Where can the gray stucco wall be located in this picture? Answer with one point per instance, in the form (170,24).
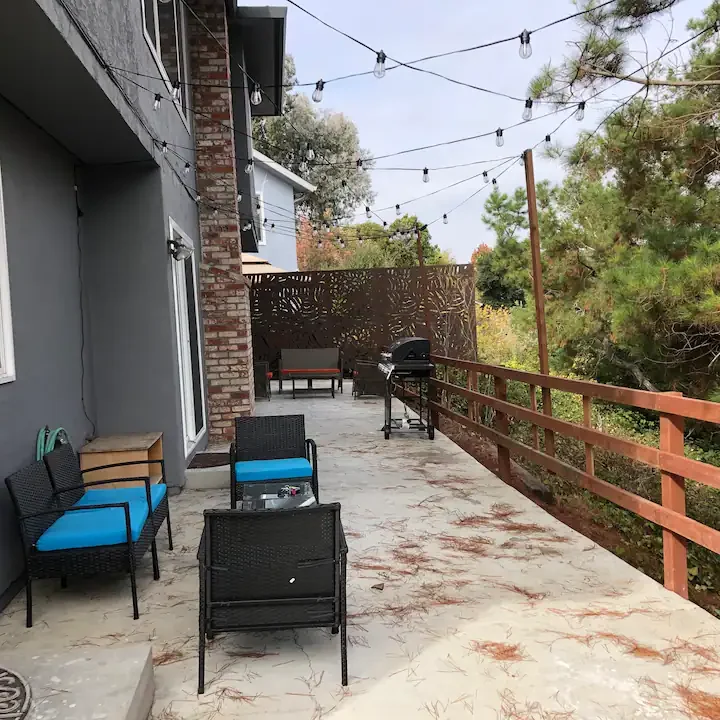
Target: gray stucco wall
(280,249)
(40,224)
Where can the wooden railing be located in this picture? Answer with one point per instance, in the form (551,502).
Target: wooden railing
(669,458)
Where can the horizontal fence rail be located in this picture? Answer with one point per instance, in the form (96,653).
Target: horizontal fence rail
(669,459)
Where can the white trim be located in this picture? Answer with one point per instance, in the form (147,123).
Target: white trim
(296,181)
(7,352)
(153,45)
(183,343)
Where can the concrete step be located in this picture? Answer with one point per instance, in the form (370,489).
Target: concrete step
(87,684)
(213,478)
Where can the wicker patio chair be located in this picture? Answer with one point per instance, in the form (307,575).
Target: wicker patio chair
(271,448)
(60,539)
(271,570)
(67,478)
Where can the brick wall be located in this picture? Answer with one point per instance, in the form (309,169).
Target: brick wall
(225,296)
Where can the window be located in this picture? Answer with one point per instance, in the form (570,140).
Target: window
(165,24)
(7,356)
(187,320)
(260,207)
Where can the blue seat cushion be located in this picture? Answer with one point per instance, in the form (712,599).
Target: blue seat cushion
(97,496)
(92,528)
(265,470)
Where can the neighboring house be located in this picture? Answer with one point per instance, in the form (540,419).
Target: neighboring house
(276,192)
(117,148)
(253,264)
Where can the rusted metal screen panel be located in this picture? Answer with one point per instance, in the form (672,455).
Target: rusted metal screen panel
(362,311)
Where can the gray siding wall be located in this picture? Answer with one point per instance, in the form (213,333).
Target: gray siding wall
(279,208)
(40,225)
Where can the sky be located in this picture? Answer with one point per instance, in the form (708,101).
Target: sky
(407,109)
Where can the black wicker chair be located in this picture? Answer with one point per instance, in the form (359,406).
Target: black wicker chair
(271,570)
(67,478)
(271,448)
(39,508)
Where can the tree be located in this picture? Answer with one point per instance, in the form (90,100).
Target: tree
(335,143)
(481,249)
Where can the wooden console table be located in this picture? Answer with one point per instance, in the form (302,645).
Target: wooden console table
(123,448)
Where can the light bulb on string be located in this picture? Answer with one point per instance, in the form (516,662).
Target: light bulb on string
(580,113)
(341,242)
(379,71)
(157,101)
(522,160)
(315,232)
(494,181)
(368,213)
(176,91)
(272,226)
(326,227)
(163,147)
(257,206)
(445,219)
(525,46)
(385,224)
(397,210)
(186,169)
(249,167)
(527,110)
(265,222)
(309,153)
(317,95)
(499,139)
(239,198)
(303,166)
(426,175)
(548,142)
(343,183)
(320,244)
(359,165)
(215,212)
(256,96)
(486,177)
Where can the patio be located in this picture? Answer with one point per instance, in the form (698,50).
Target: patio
(465,600)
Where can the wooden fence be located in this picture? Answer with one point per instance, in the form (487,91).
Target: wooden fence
(669,458)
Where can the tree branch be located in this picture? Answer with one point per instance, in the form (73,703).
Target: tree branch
(648,80)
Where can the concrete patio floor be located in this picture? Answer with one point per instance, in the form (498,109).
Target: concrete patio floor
(466,600)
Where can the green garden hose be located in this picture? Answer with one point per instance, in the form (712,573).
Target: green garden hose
(47,440)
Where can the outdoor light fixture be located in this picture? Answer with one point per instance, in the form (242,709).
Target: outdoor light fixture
(359,165)
(522,160)
(426,175)
(186,169)
(303,166)
(548,142)
(580,114)
(256,96)
(397,210)
(379,71)
(527,110)
(317,95)
(163,147)
(247,226)
(494,181)
(239,199)
(156,103)
(343,183)
(499,139)
(176,90)
(179,248)
(445,219)
(249,167)
(486,177)
(309,153)
(525,46)
(368,213)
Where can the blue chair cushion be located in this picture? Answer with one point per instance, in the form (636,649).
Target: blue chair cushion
(92,528)
(265,470)
(97,496)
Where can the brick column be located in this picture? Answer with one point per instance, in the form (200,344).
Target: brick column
(225,295)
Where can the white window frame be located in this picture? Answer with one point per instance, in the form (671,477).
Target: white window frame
(7,352)
(190,442)
(259,200)
(154,44)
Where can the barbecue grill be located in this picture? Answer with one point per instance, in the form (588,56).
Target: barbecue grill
(407,362)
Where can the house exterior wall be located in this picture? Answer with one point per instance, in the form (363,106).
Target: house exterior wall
(225,294)
(40,228)
(278,208)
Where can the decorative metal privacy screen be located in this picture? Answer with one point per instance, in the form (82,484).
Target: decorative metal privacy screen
(362,311)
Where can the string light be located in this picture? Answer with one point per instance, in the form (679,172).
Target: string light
(343,183)
(494,181)
(257,206)
(247,226)
(163,147)
(580,113)
(342,244)
(397,210)
(303,166)
(548,142)
(320,244)
(525,46)
(272,226)
(309,153)
(359,165)
(186,169)
(256,96)
(527,110)
(522,160)
(239,198)
(368,213)
(445,219)
(385,224)
(265,221)
(315,232)
(499,139)
(379,71)
(486,177)
(156,102)
(426,175)
(317,95)
(249,167)
(176,91)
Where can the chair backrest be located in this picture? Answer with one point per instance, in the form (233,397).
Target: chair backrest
(64,468)
(31,492)
(311,359)
(273,554)
(270,437)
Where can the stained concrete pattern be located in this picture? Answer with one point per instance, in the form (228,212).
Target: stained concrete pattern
(466,600)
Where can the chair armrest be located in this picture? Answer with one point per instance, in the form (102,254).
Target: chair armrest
(126,464)
(75,509)
(311,451)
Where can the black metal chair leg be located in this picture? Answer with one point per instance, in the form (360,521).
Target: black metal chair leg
(156,564)
(343,621)
(332,387)
(28,601)
(169,529)
(201,657)
(133,588)
(63,582)
(293,387)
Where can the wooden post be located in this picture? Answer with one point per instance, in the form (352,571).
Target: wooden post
(538,292)
(423,276)
(533,406)
(472,385)
(502,425)
(672,428)
(589,449)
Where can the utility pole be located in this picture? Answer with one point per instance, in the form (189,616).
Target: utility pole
(538,292)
